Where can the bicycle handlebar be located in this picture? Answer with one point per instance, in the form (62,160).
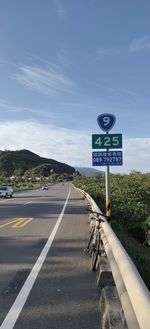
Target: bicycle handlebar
(95,212)
(98,214)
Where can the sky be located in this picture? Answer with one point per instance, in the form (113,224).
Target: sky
(63,63)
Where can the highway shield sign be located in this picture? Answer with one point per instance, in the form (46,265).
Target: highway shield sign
(106,121)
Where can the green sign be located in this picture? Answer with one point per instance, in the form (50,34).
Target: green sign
(108,141)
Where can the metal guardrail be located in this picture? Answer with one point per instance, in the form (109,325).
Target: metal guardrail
(133,293)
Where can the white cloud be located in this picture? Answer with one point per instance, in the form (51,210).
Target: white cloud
(62,144)
(140,44)
(103,51)
(13,108)
(137,154)
(46,80)
(19,109)
(136,45)
(108,52)
(69,146)
(109,87)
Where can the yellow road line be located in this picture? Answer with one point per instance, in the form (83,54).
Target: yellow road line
(22,222)
(18,222)
(27,221)
(13,221)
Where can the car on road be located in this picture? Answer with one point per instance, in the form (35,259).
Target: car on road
(45,187)
(6,191)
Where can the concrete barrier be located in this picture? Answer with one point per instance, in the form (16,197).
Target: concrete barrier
(110,309)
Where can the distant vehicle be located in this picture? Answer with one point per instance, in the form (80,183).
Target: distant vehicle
(6,191)
(45,187)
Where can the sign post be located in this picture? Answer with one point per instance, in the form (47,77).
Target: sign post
(107,158)
(107,184)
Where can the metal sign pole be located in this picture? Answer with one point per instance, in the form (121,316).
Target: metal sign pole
(107,184)
(107,180)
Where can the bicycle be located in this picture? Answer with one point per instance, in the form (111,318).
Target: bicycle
(95,244)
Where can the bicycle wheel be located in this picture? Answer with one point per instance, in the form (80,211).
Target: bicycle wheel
(95,251)
(90,239)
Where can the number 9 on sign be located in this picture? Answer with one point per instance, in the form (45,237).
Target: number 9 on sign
(106,121)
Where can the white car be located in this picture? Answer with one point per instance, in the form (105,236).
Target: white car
(6,191)
(45,187)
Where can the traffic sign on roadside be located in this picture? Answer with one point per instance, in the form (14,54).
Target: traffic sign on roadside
(107,158)
(106,121)
(108,141)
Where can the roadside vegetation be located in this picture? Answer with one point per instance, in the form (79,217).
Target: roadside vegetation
(130,209)
(23,182)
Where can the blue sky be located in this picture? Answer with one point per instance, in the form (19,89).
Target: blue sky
(64,62)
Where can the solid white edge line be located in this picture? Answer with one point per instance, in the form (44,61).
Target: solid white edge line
(19,302)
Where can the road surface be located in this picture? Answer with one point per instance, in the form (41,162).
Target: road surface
(45,276)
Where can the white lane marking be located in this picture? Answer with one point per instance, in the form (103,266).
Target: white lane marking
(18,304)
(27,203)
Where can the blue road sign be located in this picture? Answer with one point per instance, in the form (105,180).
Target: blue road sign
(107,158)
(106,121)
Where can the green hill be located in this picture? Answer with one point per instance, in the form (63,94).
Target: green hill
(21,162)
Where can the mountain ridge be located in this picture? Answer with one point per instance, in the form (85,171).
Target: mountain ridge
(87,171)
(21,162)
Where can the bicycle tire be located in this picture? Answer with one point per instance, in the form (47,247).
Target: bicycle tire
(95,252)
(90,239)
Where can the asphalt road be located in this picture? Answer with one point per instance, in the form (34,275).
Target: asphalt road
(45,276)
